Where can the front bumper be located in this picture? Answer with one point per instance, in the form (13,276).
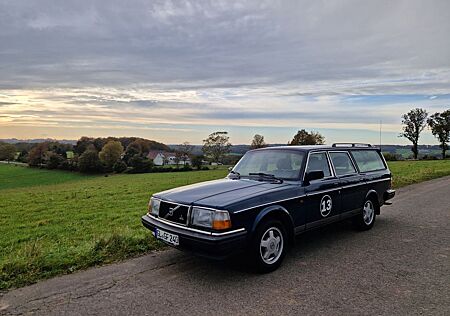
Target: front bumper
(206,244)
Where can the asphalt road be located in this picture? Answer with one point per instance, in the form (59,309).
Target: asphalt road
(400,267)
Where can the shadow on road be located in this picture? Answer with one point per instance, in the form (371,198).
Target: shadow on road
(307,245)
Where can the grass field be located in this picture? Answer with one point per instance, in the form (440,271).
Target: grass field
(12,176)
(53,222)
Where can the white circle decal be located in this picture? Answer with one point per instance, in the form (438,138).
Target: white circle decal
(326,204)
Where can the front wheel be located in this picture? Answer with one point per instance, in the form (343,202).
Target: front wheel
(366,219)
(269,246)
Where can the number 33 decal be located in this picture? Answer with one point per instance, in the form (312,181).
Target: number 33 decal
(326,204)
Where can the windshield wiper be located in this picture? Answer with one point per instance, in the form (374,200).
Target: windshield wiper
(266,176)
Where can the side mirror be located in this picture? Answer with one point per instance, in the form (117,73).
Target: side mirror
(230,168)
(313,175)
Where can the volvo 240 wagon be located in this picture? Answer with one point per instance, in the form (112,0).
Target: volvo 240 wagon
(269,197)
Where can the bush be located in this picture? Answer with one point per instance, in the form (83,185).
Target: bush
(120,167)
(89,162)
(391,157)
(429,157)
(140,164)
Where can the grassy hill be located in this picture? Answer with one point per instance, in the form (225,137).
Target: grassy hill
(53,222)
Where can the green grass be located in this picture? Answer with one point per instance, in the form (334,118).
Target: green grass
(54,222)
(18,176)
(55,229)
(410,172)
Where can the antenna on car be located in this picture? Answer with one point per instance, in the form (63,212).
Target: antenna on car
(381,122)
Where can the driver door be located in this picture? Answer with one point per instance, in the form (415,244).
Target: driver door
(323,197)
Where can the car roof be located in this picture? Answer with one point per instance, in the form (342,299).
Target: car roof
(307,148)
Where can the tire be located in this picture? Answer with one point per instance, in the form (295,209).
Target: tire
(366,219)
(268,247)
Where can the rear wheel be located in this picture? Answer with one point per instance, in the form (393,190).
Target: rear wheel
(269,246)
(366,219)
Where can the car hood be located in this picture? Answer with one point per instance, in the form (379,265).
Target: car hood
(218,193)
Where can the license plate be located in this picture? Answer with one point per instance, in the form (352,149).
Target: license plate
(167,237)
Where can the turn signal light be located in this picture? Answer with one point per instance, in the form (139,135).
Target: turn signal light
(221,224)
(221,220)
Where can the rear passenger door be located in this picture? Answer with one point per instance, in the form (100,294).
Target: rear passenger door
(351,182)
(323,201)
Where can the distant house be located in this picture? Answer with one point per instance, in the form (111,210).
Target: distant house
(157,157)
(161,158)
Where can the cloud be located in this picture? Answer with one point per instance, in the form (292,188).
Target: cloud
(201,63)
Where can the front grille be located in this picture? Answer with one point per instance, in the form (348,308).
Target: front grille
(174,212)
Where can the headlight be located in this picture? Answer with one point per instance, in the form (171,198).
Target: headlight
(210,218)
(153,206)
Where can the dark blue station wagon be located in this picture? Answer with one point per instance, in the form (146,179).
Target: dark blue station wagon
(269,197)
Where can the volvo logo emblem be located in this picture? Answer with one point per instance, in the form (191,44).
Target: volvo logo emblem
(172,210)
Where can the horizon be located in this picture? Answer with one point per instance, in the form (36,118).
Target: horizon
(153,70)
(31,140)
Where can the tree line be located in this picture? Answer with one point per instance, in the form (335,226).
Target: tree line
(129,154)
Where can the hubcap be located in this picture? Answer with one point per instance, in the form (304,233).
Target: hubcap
(271,245)
(368,212)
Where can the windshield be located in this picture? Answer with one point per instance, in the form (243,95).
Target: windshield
(282,164)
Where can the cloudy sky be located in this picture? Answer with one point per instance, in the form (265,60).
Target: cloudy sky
(176,71)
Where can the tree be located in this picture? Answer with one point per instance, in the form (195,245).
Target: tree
(82,144)
(440,128)
(7,151)
(216,146)
(304,138)
(53,160)
(111,153)
(258,142)
(414,123)
(89,161)
(197,161)
(178,158)
(186,150)
(37,154)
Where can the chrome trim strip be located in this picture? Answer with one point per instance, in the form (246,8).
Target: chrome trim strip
(323,191)
(208,208)
(171,202)
(264,204)
(379,180)
(195,230)
(158,219)
(229,232)
(352,185)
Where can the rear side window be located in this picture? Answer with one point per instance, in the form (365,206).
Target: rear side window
(368,160)
(342,163)
(319,161)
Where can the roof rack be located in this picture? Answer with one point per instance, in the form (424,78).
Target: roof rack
(351,145)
